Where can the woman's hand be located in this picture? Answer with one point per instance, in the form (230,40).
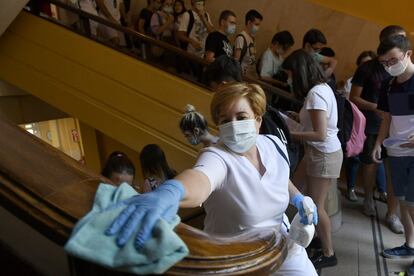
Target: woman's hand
(376,153)
(410,143)
(306,208)
(293,115)
(145,210)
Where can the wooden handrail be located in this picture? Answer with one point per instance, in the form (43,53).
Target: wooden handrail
(50,191)
(170,48)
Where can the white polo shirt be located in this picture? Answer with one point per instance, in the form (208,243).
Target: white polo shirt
(240,197)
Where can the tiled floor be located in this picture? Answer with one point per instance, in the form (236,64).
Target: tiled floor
(360,241)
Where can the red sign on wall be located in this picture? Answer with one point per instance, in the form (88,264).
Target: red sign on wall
(75,136)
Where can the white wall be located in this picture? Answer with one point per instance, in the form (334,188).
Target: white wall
(9,9)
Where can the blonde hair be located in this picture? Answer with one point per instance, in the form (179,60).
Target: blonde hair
(228,93)
(192,119)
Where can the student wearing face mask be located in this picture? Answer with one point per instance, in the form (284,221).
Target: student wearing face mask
(366,86)
(195,128)
(272,58)
(162,22)
(245,45)
(143,24)
(313,42)
(217,43)
(195,25)
(162,27)
(243,182)
(396,101)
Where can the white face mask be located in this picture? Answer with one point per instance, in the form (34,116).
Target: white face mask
(397,69)
(255,29)
(168,9)
(239,136)
(231,29)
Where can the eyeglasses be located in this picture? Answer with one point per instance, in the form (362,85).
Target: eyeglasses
(392,61)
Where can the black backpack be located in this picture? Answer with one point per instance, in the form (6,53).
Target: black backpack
(190,26)
(345,119)
(274,124)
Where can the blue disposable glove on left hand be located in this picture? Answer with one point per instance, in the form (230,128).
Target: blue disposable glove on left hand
(146,210)
(307,209)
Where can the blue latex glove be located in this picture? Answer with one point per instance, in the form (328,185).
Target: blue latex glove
(307,209)
(146,210)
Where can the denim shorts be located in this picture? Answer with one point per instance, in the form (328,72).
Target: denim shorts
(402,175)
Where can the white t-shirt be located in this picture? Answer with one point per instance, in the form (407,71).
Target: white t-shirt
(321,97)
(199,32)
(248,63)
(88,6)
(240,197)
(270,64)
(113,8)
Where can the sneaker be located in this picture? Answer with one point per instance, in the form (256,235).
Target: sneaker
(351,195)
(400,252)
(320,261)
(394,223)
(410,271)
(369,207)
(383,197)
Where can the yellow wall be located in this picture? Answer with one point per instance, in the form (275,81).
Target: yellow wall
(383,12)
(127,100)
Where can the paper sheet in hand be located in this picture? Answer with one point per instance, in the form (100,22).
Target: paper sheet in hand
(394,142)
(291,124)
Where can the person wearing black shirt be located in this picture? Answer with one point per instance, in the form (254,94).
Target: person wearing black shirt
(217,43)
(366,86)
(143,24)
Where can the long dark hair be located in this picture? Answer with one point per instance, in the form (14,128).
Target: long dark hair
(176,15)
(118,162)
(154,163)
(306,72)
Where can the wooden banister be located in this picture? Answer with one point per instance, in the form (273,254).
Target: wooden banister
(50,191)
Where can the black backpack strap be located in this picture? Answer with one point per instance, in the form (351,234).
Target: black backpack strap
(390,85)
(244,48)
(190,22)
(279,150)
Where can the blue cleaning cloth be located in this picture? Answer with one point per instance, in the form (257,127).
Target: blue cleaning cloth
(88,241)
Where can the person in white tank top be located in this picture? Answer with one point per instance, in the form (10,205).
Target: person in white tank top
(243,181)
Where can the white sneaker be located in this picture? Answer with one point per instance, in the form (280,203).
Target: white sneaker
(394,223)
(369,207)
(351,195)
(383,197)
